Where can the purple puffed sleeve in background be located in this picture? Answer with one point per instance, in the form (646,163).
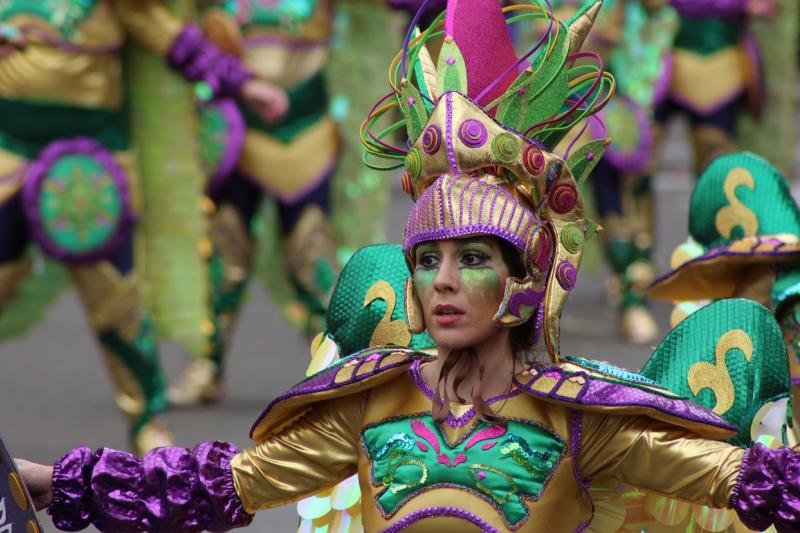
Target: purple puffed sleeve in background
(710,8)
(198,59)
(169,489)
(767,490)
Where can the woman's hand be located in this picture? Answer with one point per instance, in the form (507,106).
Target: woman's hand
(762,8)
(39,480)
(266,99)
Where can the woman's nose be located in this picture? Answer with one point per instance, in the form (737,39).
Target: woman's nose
(447,276)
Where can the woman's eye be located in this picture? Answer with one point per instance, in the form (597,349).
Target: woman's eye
(473,258)
(427,261)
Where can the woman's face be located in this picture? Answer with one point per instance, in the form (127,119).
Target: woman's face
(460,284)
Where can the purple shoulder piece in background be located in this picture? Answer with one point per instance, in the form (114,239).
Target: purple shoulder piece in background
(767,491)
(199,60)
(169,489)
(710,8)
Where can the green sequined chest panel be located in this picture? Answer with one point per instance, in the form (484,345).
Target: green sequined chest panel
(64,15)
(279,13)
(504,466)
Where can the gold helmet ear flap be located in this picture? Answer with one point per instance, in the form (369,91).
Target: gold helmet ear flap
(522,297)
(564,212)
(414,318)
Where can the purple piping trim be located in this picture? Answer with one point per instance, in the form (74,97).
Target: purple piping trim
(722,251)
(609,394)
(233,150)
(37,172)
(324,380)
(431,512)
(661,87)
(448,134)
(464,231)
(713,107)
(303,192)
(293,44)
(737,487)
(452,421)
(67,46)
(577,441)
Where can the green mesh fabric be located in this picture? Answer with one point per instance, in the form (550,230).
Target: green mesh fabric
(351,323)
(786,288)
(766,200)
(707,35)
(704,359)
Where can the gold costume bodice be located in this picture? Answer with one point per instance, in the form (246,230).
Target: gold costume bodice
(467,475)
(76,60)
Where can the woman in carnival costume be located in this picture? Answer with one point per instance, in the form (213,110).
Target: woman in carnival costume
(494,241)
(294,160)
(67,166)
(714,65)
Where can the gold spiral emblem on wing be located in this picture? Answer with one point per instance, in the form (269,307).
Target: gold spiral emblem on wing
(715,376)
(736,213)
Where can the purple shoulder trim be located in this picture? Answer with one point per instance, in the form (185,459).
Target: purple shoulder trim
(433,512)
(582,389)
(351,370)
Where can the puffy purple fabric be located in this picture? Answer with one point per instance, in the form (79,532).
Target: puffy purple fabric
(199,60)
(710,8)
(767,491)
(169,489)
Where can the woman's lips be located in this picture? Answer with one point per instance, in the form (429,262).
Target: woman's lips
(446,314)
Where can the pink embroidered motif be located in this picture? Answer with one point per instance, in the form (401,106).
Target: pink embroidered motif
(460,459)
(443,459)
(422,431)
(488,446)
(481,474)
(422,446)
(485,434)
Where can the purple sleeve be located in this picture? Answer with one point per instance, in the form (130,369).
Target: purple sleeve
(198,59)
(767,491)
(169,489)
(710,8)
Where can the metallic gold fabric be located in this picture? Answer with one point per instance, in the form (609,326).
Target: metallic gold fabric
(289,169)
(12,274)
(284,65)
(149,22)
(11,176)
(309,251)
(320,446)
(45,72)
(659,457)
(111,300)
(709,143)
(725,67)
(112,303)
(317,451)
(230,239)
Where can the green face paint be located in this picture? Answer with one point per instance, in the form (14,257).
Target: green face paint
(427,259)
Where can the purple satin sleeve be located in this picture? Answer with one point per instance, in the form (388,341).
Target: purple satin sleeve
(197,59)
(767,491)
(710,8)
(169,489)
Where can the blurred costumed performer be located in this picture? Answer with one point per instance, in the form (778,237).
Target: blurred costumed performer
(293,160)
(634,37)
(68,173)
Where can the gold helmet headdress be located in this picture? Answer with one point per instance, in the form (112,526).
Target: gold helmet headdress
(482,125)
